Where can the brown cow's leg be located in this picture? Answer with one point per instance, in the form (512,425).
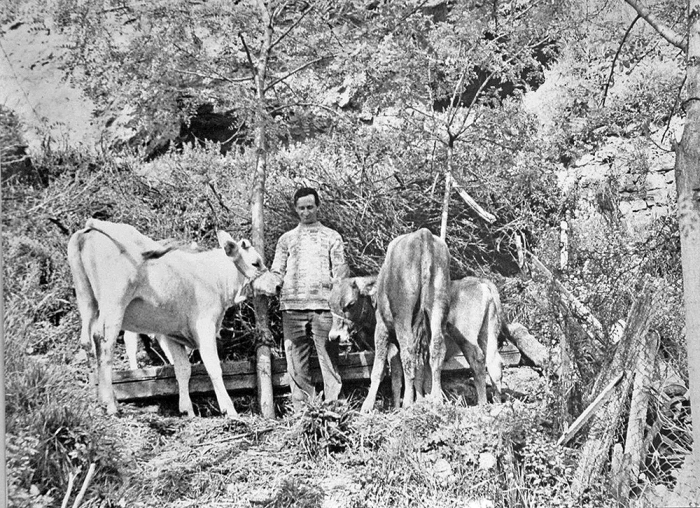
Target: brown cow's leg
(408,349)
(437,352)
(494,362)
(206,338)
(472,352)
(381,344)
(396,372)
(177,354)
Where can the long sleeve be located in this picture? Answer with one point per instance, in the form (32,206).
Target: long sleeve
(306,260)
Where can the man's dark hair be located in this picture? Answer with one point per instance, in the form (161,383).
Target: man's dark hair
(306,191)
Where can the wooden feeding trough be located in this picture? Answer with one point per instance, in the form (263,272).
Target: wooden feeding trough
(240,376)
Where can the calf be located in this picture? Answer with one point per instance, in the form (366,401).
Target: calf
(125,280)
(474,323)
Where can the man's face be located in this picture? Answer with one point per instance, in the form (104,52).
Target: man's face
(307,210)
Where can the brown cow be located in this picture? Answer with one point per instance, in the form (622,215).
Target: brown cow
(125,280)
(353,309)
(474,323)
(412,303)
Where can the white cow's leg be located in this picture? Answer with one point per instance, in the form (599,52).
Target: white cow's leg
(381,344)
(104,334)
(177,354)
(164,344)
(206,337)
(131,343)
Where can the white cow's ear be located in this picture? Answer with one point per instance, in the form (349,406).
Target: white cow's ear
(224,238)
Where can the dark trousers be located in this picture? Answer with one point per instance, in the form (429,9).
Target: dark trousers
(302,331)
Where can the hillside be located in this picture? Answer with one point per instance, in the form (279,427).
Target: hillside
(555,142)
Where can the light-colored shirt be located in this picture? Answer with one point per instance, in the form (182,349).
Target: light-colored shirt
(307,258)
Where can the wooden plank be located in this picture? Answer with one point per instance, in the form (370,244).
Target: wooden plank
(239,376)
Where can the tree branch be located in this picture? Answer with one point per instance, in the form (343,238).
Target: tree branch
(291,27)
(617,54)
(294,71)
(674,38)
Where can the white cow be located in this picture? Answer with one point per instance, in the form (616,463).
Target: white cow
(125,280)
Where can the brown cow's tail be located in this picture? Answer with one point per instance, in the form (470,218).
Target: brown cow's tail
(421,323)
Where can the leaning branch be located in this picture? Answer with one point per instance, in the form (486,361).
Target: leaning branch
(594,328)
(667,33)
(488,217)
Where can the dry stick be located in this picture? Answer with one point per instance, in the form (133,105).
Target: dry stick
(69,491)
(571,302)
(590,411)
(488,217)
(634,440)
(604,425)
(86,483)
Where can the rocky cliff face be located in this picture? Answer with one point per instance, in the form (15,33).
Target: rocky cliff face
(630,179)
(33,85)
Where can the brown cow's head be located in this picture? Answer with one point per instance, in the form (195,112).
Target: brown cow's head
(353,310)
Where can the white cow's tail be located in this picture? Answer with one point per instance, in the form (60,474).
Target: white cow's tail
(85,296)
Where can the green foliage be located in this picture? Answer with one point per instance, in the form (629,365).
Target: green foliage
(294,493)
(542,471)
(323,428)
(433,452)
(51,432)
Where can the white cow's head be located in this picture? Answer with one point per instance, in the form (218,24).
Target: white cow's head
(248,261)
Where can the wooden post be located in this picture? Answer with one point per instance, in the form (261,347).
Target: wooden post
(633,456)
(564,245)
(605,422)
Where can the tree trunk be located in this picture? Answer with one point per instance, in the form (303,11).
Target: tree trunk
(262,321)
(688,187)
(448,191)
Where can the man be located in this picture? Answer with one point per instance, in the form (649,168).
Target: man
(307,258)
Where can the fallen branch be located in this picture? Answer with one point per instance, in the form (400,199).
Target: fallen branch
(590,411)
(594,329)
(528,345)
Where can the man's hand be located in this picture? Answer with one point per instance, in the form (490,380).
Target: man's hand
(267,284)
